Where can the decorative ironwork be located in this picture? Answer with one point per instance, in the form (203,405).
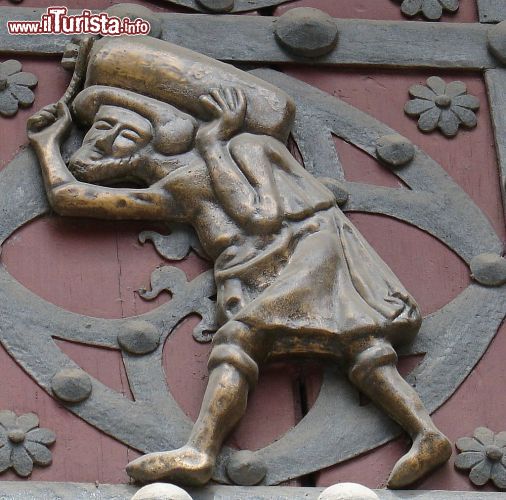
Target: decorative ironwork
(172,280)
(177,244)
(431,9)
(394,150)
(489,269)
(251,39)
(443,106)
(226,6)
(491,11)
(496,86)
(434,204)
(71,385)
(23,443)
(307,32)
(496,38)
(246,468)
(15,87)
(484,455)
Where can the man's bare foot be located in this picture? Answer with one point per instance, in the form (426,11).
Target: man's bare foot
(185,466)
(429,450)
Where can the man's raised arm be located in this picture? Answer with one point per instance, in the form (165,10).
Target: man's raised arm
(241,174)
(68,196)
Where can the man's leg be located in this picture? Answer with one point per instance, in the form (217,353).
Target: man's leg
(232,373)
(374,372)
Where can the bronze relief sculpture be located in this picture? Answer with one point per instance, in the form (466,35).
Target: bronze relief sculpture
(203,144)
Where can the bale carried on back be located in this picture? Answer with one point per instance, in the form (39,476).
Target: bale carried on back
(179,76)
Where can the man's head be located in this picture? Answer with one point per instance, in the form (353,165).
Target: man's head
(127,131)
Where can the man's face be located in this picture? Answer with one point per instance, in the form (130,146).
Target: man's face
(111,146)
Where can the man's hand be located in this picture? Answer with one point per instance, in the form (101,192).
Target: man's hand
(228,107)
(50,123)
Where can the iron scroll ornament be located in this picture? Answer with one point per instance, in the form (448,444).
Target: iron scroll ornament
(462,330)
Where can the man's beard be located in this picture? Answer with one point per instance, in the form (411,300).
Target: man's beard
(105,170)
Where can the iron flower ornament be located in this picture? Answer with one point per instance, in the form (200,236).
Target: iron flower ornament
(441,105)
(226,6)
(431,9)
(485,456)
(15,87)
(23,443)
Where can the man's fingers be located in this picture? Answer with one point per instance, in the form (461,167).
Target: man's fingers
(46,118)
(47,115)
(220,99)
(229,95)
(33,121)
(40,120)
(236,99)
(211,105)
(241,98)
(50,108)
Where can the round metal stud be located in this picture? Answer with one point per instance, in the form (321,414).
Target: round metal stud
(494,452)
(395,150)
(497,41)
(489,269)
(16,436)
(139,337)
(245,468)
(217,6)
(307,32)
(443,101)
(71,385)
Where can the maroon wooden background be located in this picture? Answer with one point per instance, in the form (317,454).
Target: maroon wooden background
(95,268)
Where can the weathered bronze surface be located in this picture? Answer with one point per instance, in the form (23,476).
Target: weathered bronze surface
(202,143)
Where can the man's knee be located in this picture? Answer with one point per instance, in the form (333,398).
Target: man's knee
(375,356)
(234,344)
